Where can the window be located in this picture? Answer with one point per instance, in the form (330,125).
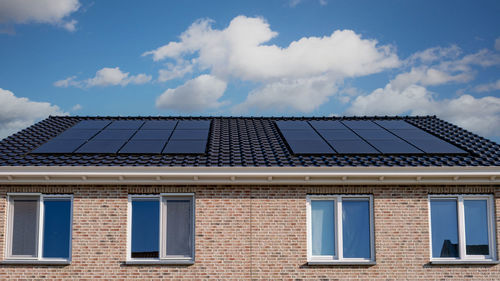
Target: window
(462,228)
(340,229)
(39,228)
(161,228)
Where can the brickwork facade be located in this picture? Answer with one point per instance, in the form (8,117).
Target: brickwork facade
(250,232)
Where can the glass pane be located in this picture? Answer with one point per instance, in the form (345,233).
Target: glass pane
(444,228)
(476,227)
(356,228)
(56,228)
(145,228)
(323,227)
(25,228)
(179,230)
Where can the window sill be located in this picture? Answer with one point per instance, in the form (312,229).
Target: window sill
(34,262)
(341,263)
(160,262)
(464,262)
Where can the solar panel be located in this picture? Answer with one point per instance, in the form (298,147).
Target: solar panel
(396,146)
(328,125)
(91,124)
(152,135)
(293,125)
(143,146)
(300,135)
(193,124)
(77,134)
(361,124)
(189,135)
(413,134)
(59,146)
(310,147)
(338,135)
(352,147)
(395,124)
(159,125)
(114,135)
(101,146)
(380,134)
(185,147)
(436,146)
(125,124)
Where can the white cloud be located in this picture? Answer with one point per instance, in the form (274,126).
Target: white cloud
(55,12)
(200,93)
(480,115)
(497,44)
(488,87)
(174,71)
(105,77)
(18,113)
(293,3)
(239,51)
(76,107)
(304,95)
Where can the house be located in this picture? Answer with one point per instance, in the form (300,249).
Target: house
(360,198)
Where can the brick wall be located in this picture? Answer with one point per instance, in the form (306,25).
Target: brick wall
(250,232)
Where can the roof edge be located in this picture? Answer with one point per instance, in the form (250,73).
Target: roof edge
(249,175)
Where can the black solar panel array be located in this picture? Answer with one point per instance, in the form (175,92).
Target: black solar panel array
(131,136)
(361,137)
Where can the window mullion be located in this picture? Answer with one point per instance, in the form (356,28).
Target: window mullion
(338,228)
(163,223)
(40,227)
(461,228)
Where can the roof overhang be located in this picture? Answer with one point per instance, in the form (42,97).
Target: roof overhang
(42,175)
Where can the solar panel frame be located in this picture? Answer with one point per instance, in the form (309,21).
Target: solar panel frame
(339,135)
(125,125)
(159,125)
(79,134)
(101,146)
(396,146)
(311,147)
(300,135)
(152,135)
(59,146)
(189,135)
(436,146)
(114,135)
(193,125)
(360,124)
(293,125)
(353,147)
(92,124)
(327,125)
(185,147)
(395,124)
(143,146)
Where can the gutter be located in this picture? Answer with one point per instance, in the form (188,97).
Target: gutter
(43,175)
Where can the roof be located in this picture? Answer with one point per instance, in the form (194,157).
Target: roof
(248,142)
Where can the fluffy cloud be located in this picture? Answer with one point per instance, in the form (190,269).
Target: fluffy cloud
(497,44)
(200,93)
(105,77)
(480,115)
(488,87)
(174,71)
(18,113)
(55,12)
(240,51)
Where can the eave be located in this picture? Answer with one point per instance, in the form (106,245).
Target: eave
(43,175)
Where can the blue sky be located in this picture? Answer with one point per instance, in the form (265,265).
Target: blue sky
(252,58)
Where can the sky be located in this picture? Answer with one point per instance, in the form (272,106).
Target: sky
(250,58)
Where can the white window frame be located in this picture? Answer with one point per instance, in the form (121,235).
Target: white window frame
(462,253)
(338,258)
(41,198)
(162,237)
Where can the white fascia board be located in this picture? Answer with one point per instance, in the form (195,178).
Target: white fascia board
(249,175)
